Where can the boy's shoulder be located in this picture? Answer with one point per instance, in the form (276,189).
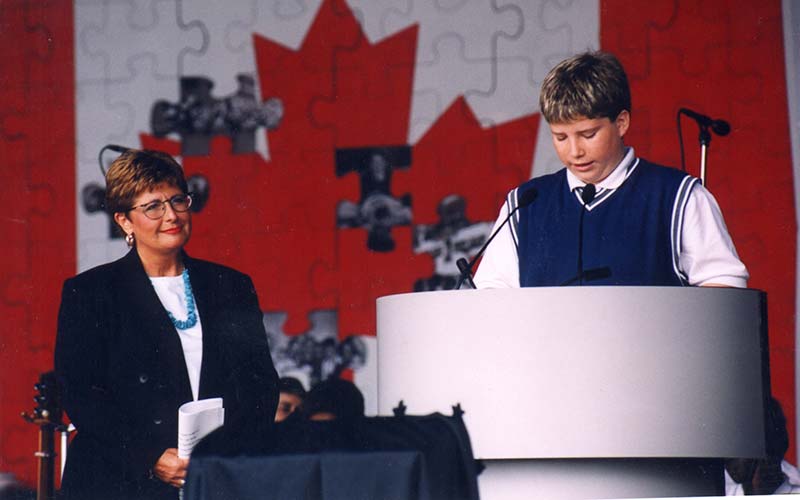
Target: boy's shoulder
(544,181)
(662,173)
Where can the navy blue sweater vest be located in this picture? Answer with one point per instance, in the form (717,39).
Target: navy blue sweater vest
(635,231)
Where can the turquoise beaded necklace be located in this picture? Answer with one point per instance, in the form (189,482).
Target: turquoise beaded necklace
(191,318)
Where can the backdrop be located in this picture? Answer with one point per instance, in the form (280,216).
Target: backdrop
(344,150)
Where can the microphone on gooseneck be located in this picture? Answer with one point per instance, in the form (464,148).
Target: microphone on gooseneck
(719,127)
(113,147)
(524,199)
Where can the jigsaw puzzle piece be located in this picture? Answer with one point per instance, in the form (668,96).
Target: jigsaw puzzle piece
(26,56)
(478,22)
(510,95)
(286,22)
(372,14)
(145,27)
(125,107)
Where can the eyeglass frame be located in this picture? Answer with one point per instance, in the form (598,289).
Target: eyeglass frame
(164,206)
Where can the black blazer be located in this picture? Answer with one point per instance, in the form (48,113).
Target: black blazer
(120,363)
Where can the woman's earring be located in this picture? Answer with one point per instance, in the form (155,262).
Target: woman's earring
(129,239)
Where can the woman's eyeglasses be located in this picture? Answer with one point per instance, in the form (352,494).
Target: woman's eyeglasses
(157,208)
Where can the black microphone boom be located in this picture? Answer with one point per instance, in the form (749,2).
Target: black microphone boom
(719,127)
(113,147)
(525,199)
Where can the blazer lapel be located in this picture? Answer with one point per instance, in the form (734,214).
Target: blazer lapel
(157,333)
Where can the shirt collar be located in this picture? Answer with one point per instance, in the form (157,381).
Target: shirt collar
(614,179)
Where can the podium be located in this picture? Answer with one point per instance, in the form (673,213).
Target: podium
(585,392)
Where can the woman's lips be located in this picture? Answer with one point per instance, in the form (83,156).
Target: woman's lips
(172,230)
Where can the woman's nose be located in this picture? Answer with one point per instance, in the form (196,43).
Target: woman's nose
(169,212)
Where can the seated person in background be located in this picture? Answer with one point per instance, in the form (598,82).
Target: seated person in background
(768,476)
(646,224)
(333,399)
(290,397)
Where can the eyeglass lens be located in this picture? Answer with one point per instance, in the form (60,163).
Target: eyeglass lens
(179,203)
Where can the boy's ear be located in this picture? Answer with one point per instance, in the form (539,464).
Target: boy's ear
(623,122)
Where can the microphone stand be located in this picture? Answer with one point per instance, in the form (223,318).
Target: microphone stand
(707,125)
(705,141)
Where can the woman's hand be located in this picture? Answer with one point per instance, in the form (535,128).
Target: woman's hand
(171,468)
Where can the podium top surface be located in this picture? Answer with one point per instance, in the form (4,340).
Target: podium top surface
(583,371)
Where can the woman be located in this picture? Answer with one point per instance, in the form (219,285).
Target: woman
(142,335)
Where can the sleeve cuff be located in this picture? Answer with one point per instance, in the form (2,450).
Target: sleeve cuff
(729,281)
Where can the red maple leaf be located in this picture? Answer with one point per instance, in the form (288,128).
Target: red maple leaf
(276,219)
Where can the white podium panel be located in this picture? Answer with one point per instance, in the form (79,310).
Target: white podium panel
(571,479)
(582,372)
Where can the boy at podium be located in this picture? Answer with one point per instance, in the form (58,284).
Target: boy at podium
(608,217)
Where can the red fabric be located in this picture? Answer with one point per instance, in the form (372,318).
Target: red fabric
(37,203)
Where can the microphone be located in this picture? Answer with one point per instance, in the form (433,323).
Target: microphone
(525,199)
(719,127)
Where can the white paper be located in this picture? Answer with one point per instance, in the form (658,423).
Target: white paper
(195,420)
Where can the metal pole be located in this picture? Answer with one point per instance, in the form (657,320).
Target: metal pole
(705,140)
(703,155)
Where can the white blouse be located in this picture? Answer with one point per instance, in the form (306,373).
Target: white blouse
(170,291)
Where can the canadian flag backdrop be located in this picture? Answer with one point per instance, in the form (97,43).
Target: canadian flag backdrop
(345,150)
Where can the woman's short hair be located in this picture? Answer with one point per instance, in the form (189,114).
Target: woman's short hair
(137,171)
(591,85)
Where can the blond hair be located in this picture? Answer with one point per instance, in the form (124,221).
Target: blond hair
(590,85)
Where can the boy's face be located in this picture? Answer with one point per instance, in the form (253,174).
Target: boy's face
(591,147)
